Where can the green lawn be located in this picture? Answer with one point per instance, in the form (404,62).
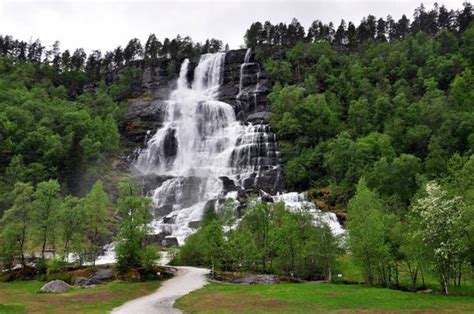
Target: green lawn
(24,297)
(317,298)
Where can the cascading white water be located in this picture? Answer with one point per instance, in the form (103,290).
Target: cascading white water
(297,201)
(200,142)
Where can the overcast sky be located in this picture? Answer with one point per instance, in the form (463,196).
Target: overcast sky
(107,24)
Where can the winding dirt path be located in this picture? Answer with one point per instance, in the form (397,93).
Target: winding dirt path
(187,279)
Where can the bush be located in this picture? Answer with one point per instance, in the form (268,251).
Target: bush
(41,266)
(149,257)
(55,265)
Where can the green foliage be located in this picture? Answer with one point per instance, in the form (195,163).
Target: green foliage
(45,213)
(45,135)
(442,228)
(394,112)
(133,226)
(95,215)
(269,238)
(72,225)
(55,265)
(150,256)
(41,221)
(368,227)
(17,222)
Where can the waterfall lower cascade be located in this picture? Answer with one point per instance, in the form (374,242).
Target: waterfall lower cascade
(201,147)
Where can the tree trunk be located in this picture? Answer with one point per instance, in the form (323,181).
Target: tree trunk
(329,273)
(414,276)
(422,278)
(459,274)
(22,244)
(445,284)
(45,238)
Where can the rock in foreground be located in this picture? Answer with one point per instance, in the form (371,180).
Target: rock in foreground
(86,282)
(55,286)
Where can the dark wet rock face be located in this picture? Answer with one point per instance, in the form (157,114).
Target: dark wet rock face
(170,144)
(141,120)
(245,88)
(249,95)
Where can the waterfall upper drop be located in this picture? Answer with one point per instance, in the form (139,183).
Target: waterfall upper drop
(202,150)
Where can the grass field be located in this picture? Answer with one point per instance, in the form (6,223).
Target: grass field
(24,297)
(317,298)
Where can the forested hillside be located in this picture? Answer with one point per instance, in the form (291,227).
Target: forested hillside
(390,101)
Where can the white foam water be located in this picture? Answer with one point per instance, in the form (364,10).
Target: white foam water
(298,201)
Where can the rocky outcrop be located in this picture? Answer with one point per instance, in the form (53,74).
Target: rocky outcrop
(83,282)
(145,114)
(141,120)
(55,286)
(249,95)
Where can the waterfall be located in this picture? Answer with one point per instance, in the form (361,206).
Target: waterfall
(202,144)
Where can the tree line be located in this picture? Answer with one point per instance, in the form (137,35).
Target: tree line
(351,36)
(44,228)
(76,70)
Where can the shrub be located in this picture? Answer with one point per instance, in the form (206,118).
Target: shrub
(55,265)
(149,257)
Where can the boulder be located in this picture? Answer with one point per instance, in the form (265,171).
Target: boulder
(55,286)
(170,242)
(156,239)
(85,282)
(103,274)
(228,185)
(169,220)
(257,279)
(194,224)
(265,197)
(259,117)
(426,291)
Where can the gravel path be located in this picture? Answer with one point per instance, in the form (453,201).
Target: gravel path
(161,301)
